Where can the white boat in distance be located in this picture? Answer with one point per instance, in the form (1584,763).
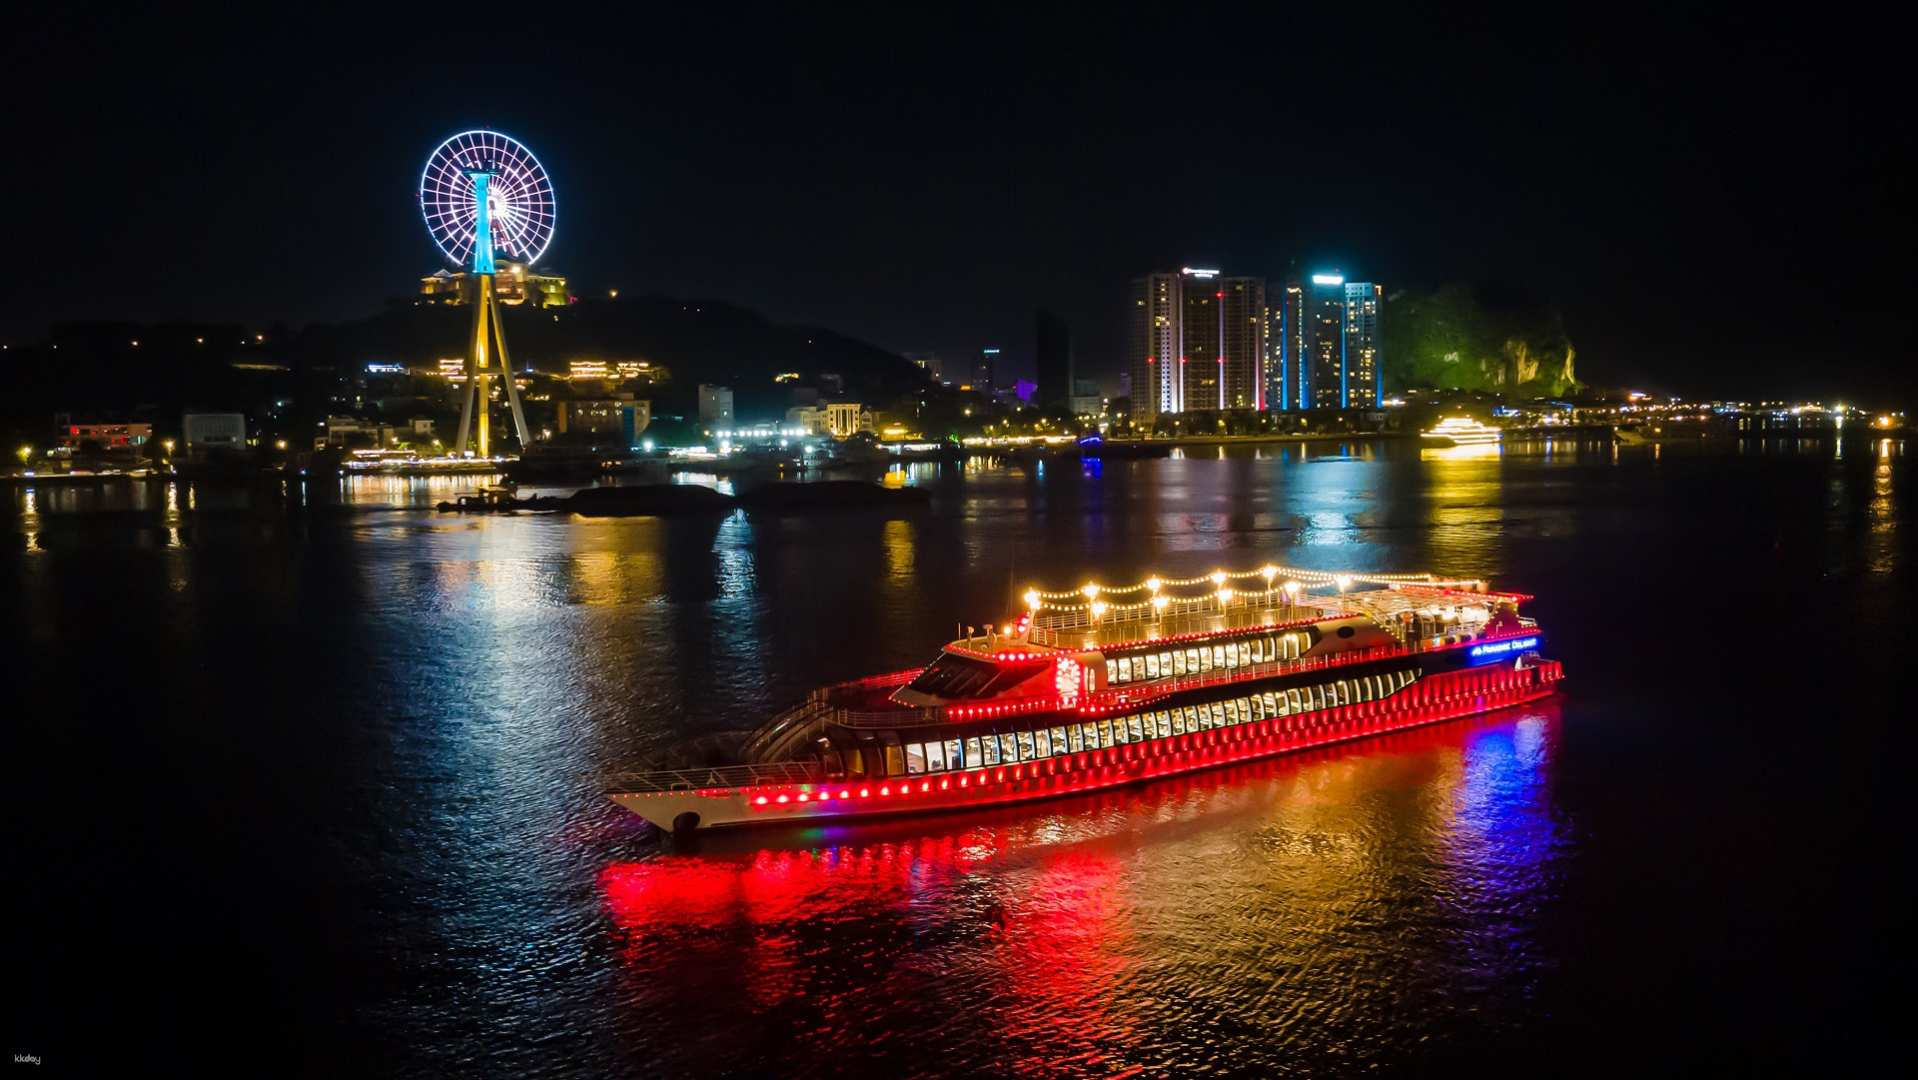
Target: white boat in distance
(1461,431)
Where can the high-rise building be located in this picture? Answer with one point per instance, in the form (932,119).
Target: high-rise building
(1285,348)
(928,362)
(1364,383)
(1053,353)
(1338,344)
(1196,341)
(715,404)
(984,370)
(1323,326)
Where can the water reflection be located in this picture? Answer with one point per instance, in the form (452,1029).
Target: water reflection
(1123,929)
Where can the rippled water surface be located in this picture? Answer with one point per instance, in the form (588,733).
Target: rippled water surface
(305,782)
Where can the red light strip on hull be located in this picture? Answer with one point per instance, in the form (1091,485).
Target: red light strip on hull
(1431,700)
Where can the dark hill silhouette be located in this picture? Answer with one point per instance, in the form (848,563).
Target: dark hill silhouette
(698,341)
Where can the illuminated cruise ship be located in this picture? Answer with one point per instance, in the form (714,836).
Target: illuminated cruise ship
(1103,686)
(1461,431)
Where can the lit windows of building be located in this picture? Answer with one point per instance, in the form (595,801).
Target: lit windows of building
(844,419)
(512,284)
(715,404)
(1364,367)
(453,368)
(1197,341)
(588,369)
(619,418)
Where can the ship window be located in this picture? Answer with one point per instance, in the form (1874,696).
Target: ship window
(1105,734)
(1058,740)
(1231,711)
(1293,704)
(1218,714)
(1259,649)
(1205,660)
(1136,726)
(935,757)
(1178,662)
(1218,656)
(1152,665)
(1191,719)
(1008,748)
(895,761)
(1112,672)
(1245,654)
(1178,721)
(1092,734)
(973,760)
(955,677)
(954,760)
(1075,738)
(989,750)
(1258,707)
(1165,725)
(915,759)
(1118,731)
(1041,743)
(1025,746)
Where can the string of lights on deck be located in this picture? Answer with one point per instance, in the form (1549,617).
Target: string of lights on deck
(1087,597)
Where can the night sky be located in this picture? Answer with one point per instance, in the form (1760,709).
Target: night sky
(1717,205)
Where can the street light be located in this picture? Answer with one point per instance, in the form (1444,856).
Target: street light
(26,454)
(168,445)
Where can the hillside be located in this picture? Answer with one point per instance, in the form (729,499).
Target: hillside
(1462,338)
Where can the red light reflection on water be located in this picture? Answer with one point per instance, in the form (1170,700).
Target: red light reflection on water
(1020,923)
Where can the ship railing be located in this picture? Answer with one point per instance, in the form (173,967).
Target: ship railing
(725,776)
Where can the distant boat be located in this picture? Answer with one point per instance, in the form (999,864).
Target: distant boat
(1461,431)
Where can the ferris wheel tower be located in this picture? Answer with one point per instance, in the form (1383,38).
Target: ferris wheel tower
(481,193)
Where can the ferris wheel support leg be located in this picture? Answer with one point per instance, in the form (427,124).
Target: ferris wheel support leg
(466,414)
(483,329)
(506,372)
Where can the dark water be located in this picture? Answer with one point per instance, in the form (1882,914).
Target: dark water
(315,790)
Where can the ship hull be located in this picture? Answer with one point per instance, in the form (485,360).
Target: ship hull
(1434,698)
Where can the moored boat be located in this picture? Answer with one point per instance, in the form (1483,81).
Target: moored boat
(1461,431)
(1104,686)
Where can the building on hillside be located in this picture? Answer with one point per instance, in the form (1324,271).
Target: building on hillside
(514,283)
(615,417)
(810,419)
(213,431)
(107,436)
(929,363)
(844,419)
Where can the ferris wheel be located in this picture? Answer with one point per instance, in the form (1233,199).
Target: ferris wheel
(518,200)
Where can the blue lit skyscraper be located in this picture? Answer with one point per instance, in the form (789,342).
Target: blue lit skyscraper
(1363,383)
(1322,376)
(1285,348)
